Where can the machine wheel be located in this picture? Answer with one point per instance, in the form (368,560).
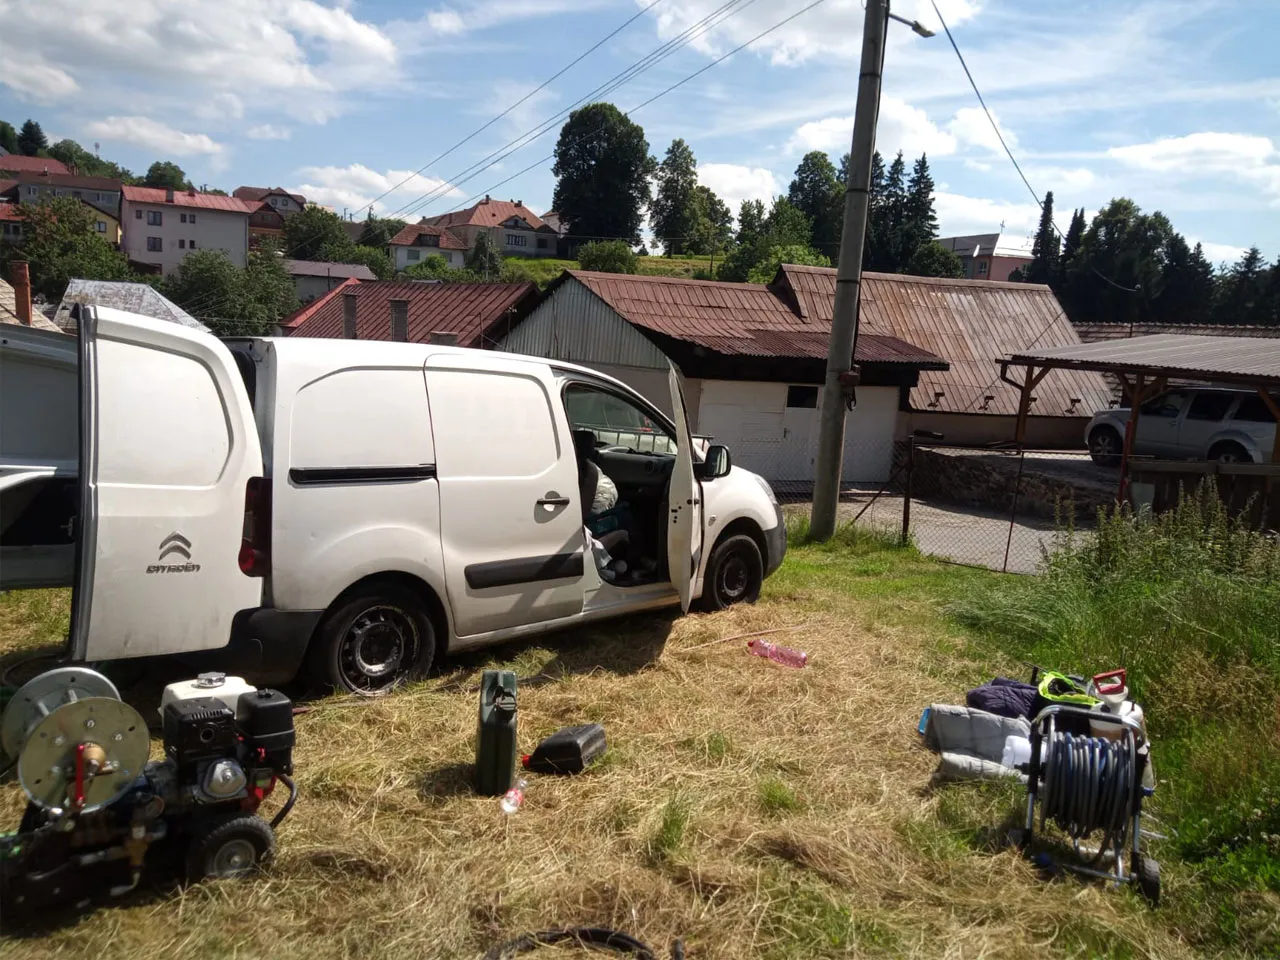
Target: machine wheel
(1230,452)
(1105,446)
(373,641)
(734,574)
(229,847)
(1147,870)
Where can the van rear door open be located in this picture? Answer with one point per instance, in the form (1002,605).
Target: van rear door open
(167,446)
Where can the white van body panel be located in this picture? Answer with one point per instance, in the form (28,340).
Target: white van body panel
(167,446)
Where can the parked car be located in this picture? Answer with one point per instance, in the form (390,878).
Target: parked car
(1189,423)
(359,506)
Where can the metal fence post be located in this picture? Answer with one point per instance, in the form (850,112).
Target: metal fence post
(1013,510)
(906,497)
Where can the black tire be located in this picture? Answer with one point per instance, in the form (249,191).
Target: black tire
(1230,452)
(734,574)
(1147,871)
(1106,446)
(373,641)
(230,846)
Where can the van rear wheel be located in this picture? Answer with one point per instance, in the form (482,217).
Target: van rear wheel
(373,641)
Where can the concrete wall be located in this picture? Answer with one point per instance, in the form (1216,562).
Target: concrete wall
(211,230)
(400,256)
(1051,433)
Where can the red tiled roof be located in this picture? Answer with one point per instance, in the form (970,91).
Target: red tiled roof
(9,211)
(188,198)
(16,163)
(972,323)
(7,185)
(66,180)
(411,236)
(260,193)
(486,213)
(744,319)
(475,312)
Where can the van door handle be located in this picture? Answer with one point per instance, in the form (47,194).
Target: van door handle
(553,500)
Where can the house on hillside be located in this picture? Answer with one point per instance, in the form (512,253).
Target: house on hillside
(753,358)
(516,230)
(161,226)
(313,278)
(12,164)
(417,241)
(984,257)
(458,314)
(10,223)
(99,194)
(277,198)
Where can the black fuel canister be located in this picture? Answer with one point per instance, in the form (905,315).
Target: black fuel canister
(567,751)
(496,733)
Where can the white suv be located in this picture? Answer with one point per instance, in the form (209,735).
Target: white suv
(1189,423)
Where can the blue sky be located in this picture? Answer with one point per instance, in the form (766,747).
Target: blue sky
(1175,104)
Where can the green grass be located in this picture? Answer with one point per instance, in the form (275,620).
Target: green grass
(777,799)
(1189,604)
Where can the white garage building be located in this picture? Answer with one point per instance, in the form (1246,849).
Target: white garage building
(752,366)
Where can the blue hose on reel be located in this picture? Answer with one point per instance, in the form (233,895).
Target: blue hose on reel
(1090,785)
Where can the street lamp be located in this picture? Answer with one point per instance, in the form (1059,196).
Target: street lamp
(915,25)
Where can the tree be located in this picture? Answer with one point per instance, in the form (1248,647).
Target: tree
(607,256)
(377,260)
(713,224)
(919,222)
(932,259)
(602,165)
(673,211)
(31,139)
(750,222)
(1070,247)
(786,225)
(167,174)
(378,231)
(817,193)
(875,251)
(436,267)
(59,242)
(1117,274)
(234,302)
(8,137)
(1187,284)
(311,231)
(766,268)
(888,211)
(1241,297)
(1045,249)
(485,260)
(87,164)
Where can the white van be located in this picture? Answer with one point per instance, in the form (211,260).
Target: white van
(357,506)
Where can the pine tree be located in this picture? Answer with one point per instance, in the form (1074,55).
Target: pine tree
(1070,245)
(1187,284)
(1268,312)
(816,192)
(919,223)
(31,139)
(750,222)
(674,211)
(8,137)
(873,253)
(1045,250)
(1241,296)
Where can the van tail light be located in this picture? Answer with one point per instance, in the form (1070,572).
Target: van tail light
(255,539)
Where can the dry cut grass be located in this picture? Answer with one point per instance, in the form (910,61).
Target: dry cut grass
(751,810)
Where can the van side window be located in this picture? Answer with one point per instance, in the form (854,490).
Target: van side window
(490,424)
(616,421)
(362,418)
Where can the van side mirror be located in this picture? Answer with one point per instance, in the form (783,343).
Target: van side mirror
(717,462)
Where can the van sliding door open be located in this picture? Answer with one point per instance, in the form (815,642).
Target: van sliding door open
(167,446)
(684,519)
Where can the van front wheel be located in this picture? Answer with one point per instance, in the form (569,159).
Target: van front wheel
(373,641)
(735,572)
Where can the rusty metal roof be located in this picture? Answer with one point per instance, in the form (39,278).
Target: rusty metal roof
(1245,360)
(188,198)
(742,319)
(413,233)
(475,312)
(1091,332)
(969,323)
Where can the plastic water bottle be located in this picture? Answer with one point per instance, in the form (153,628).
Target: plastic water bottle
(786,656)
(513,798)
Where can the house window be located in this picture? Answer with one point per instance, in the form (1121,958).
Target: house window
(982,268)
(191,218)
(802,396)
(431,240)
(101,227)
(182,217)
(154,218)
(412,254)
(182,244)
(154,245)
(137,214)
(191,244)
(77,194)
(517,240)
(542,243)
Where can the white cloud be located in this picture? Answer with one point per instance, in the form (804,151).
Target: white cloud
(153,135)
(734,183)
(355,186)
(971,127)
(221,106)
(29,75)
(451,19)
(268,131)
(900,127)
(959,214)
(1218,253)
(1252,159)
(446,21)
(505,93)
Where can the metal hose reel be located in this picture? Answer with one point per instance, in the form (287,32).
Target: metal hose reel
(76,742)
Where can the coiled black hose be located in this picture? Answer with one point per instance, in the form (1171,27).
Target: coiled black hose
(1090,784)
(288,804)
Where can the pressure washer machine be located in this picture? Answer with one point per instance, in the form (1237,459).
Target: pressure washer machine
(97,806)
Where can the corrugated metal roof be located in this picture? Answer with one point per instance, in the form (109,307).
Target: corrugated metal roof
(318,268)
(189,198)
(17,163)
(472,311)
(53,179)
(1096,332)
(1230,359)
(132,297)
(969,323)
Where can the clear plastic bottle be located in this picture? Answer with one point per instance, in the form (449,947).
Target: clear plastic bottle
(786,656)
(513,798)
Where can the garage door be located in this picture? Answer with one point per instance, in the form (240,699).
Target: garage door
(869,434)
(747,417)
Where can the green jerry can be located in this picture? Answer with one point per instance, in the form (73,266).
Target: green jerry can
(496,733)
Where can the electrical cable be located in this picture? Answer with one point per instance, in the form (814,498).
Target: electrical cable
(288,804)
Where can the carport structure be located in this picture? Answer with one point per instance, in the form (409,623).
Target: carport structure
(1145,365)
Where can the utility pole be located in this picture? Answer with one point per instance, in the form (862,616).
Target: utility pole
(844,320)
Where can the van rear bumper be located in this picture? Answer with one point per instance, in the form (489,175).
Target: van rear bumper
(267,645)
